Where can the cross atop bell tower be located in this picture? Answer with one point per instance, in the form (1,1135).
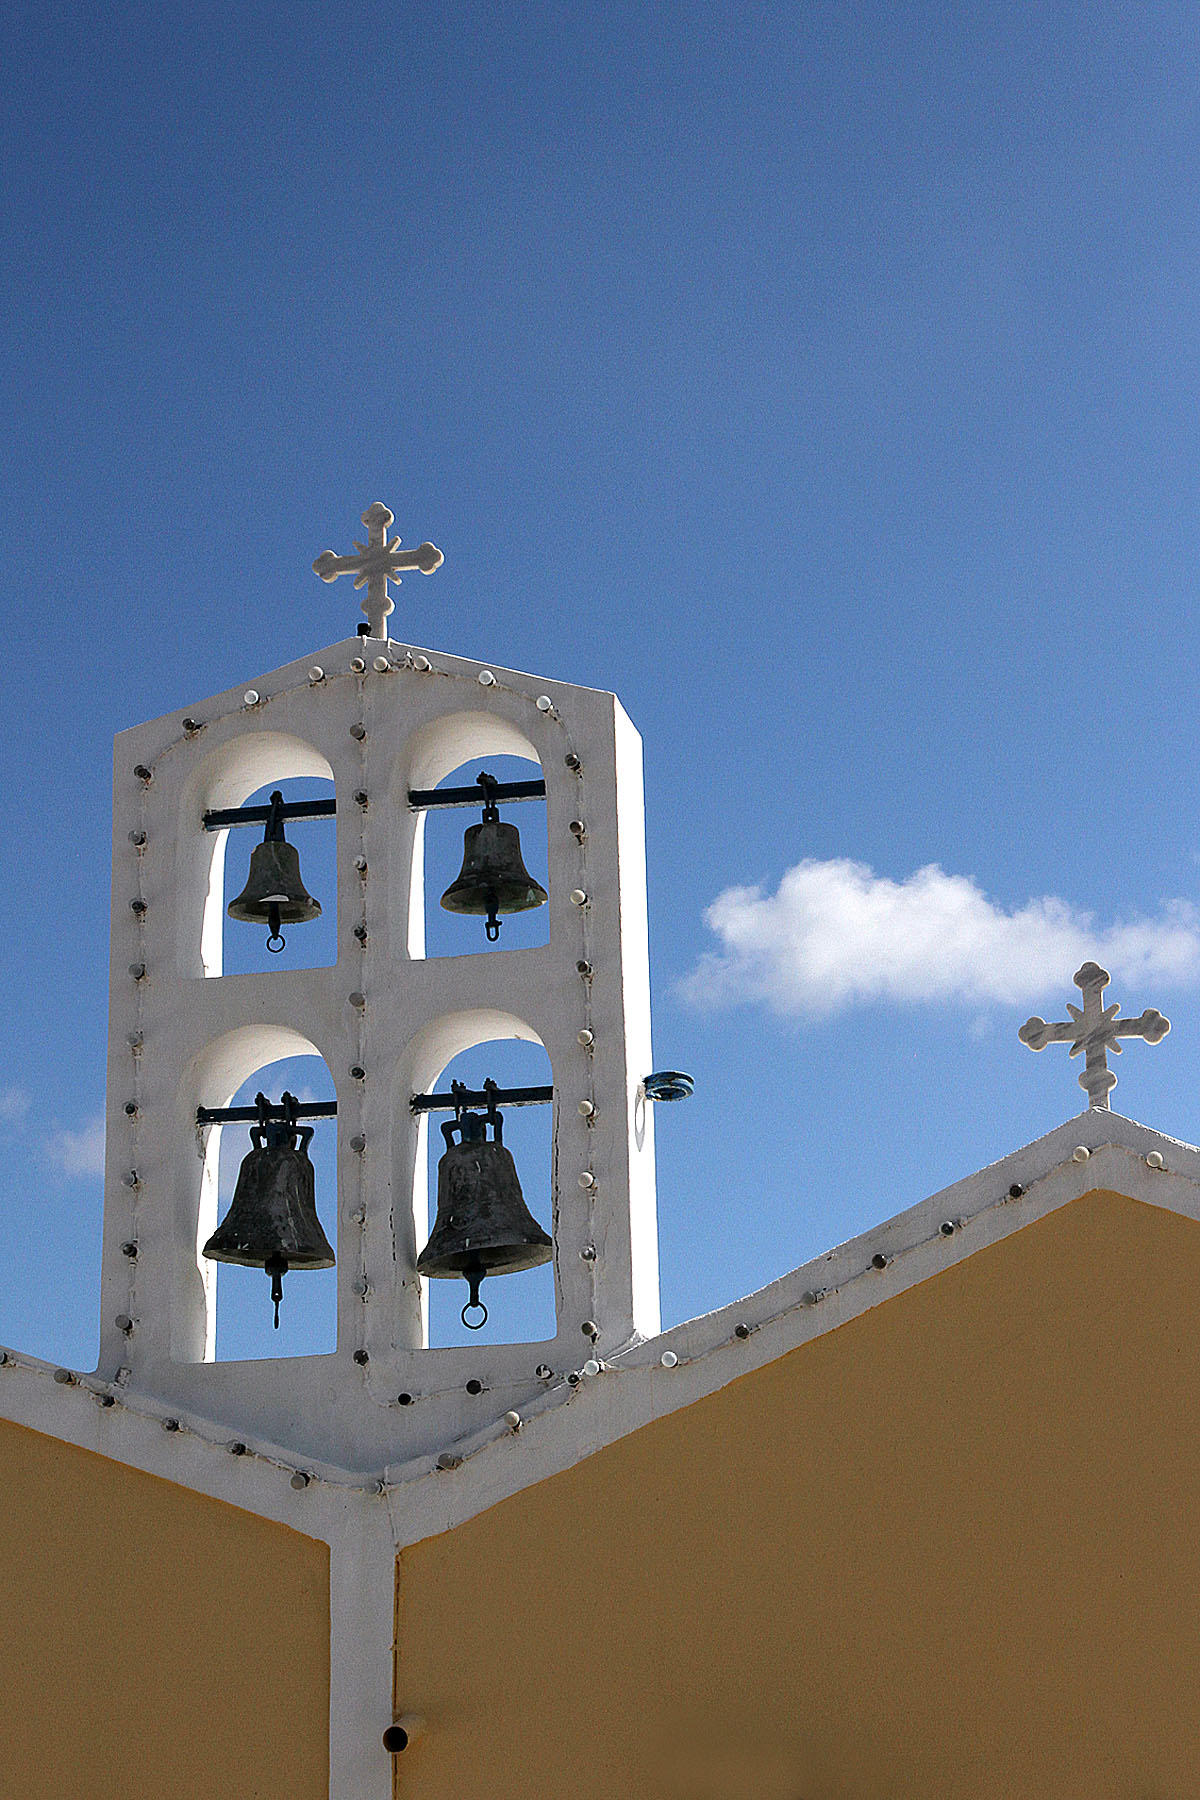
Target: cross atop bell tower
(379,561)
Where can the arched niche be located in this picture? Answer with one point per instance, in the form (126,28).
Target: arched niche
(226,777)
(455,738)
(423,1069)
(435,751)
(216,1075)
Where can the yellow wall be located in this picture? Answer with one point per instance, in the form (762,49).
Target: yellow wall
(156,1645)
(949,1551)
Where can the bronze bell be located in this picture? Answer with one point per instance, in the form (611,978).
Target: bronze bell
(272,1221)
(274,891)
(483,1226)
(493,878)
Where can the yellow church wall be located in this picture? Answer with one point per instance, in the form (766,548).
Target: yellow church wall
(947,1551)
(157,1645)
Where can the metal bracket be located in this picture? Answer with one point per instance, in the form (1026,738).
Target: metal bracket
(422,799)
(222,818)
(668,1084)
(496,1096)
(248,1115)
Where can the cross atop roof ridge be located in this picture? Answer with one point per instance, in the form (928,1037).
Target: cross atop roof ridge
(1095,1030)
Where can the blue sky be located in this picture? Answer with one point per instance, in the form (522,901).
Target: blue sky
(823,380)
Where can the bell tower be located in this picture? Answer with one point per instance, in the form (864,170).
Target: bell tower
(386,723)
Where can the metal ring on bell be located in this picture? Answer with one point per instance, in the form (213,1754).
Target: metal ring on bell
(276,940)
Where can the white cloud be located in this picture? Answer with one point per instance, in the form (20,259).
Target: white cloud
(835,935)
(14,1104)
(78,1152)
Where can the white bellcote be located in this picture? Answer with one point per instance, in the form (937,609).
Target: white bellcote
(385,723)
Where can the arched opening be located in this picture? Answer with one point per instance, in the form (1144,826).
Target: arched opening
(307,944)
(245,772)
(240,1327)
(520,1306)
(451,751)
(447,828)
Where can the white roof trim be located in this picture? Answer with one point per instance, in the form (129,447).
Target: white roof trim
(579,1414)
(365,1521)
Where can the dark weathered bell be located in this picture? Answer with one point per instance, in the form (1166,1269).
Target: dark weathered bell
(493,878)
(274,893)
(483,1226)
(272,1221)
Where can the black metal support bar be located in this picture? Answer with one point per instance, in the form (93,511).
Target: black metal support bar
(248,1115)
(522,1096)
(223,817)
(500,791)
(421,1103)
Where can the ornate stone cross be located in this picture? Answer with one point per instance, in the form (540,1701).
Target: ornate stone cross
(1095,1031)
(378,562)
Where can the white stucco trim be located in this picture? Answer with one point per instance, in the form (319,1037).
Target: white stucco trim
(576,1412)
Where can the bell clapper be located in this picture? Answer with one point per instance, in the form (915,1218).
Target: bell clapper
(276,1267)
(491,929)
